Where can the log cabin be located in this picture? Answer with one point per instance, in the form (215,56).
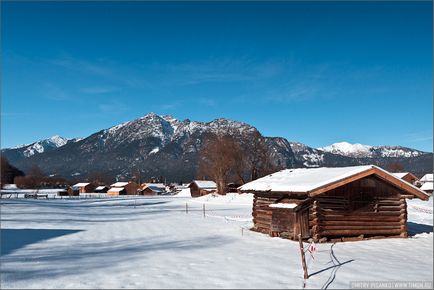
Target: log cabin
(331,204)
(202,187)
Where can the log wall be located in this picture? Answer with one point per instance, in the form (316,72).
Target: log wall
(364,208)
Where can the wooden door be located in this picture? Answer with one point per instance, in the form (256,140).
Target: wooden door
(303,223)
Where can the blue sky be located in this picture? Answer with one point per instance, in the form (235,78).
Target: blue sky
(316,73)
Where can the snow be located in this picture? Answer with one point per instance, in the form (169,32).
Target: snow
(427,186)
(308,179)
(229,198)
(302,179)
(400,175)
(366,151)
(100,187)
(41,145)
(427,178)
(205,184)
(283,205)
(185,192)
(81,184)
(151,242)
(119,184)
(348,149)
(153,151)
(116,189)
(10,186)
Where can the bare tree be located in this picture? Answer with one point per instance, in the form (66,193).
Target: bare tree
(395,167)
(218,159)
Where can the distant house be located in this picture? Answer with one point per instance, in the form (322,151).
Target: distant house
(82,187)
(427,187)
(121,188)
(407,176)
(117,191)
(152,189)
(427,178)
(102,189)
(427,183)
(202,187)
(335,204)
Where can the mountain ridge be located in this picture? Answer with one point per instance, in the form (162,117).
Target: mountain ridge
(163,145)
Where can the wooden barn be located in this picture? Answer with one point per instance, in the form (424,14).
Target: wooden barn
(331,204)
(202,187)
(82,187)
(152,189)
(121,188)
(407,176)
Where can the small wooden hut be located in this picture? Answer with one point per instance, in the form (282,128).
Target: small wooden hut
(336,204)
(202,187)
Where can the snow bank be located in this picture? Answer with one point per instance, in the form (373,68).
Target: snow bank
(229,198)
(185,192)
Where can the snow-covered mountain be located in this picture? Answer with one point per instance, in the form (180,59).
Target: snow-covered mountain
(365,151)
(41,146)
(165,146)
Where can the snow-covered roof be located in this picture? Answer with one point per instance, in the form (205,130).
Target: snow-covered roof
(313,180)
(427,186)
(116,189)
(283,205)
(101,187)
(155,188)
(10,186)
(81,184)
(119,184)
(400,174)
(159,185)
(427,178)
(206,184)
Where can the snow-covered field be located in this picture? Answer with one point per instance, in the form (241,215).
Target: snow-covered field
(152,242)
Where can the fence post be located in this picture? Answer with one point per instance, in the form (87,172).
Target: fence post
(303,259)
(204,210)
(186,208)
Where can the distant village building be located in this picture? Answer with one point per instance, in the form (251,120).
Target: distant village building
(82,187)
(123,188)
(334,204)
(407,176)
(102,189)
(202,187)
(117,191)
(427,183)
(152,189)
